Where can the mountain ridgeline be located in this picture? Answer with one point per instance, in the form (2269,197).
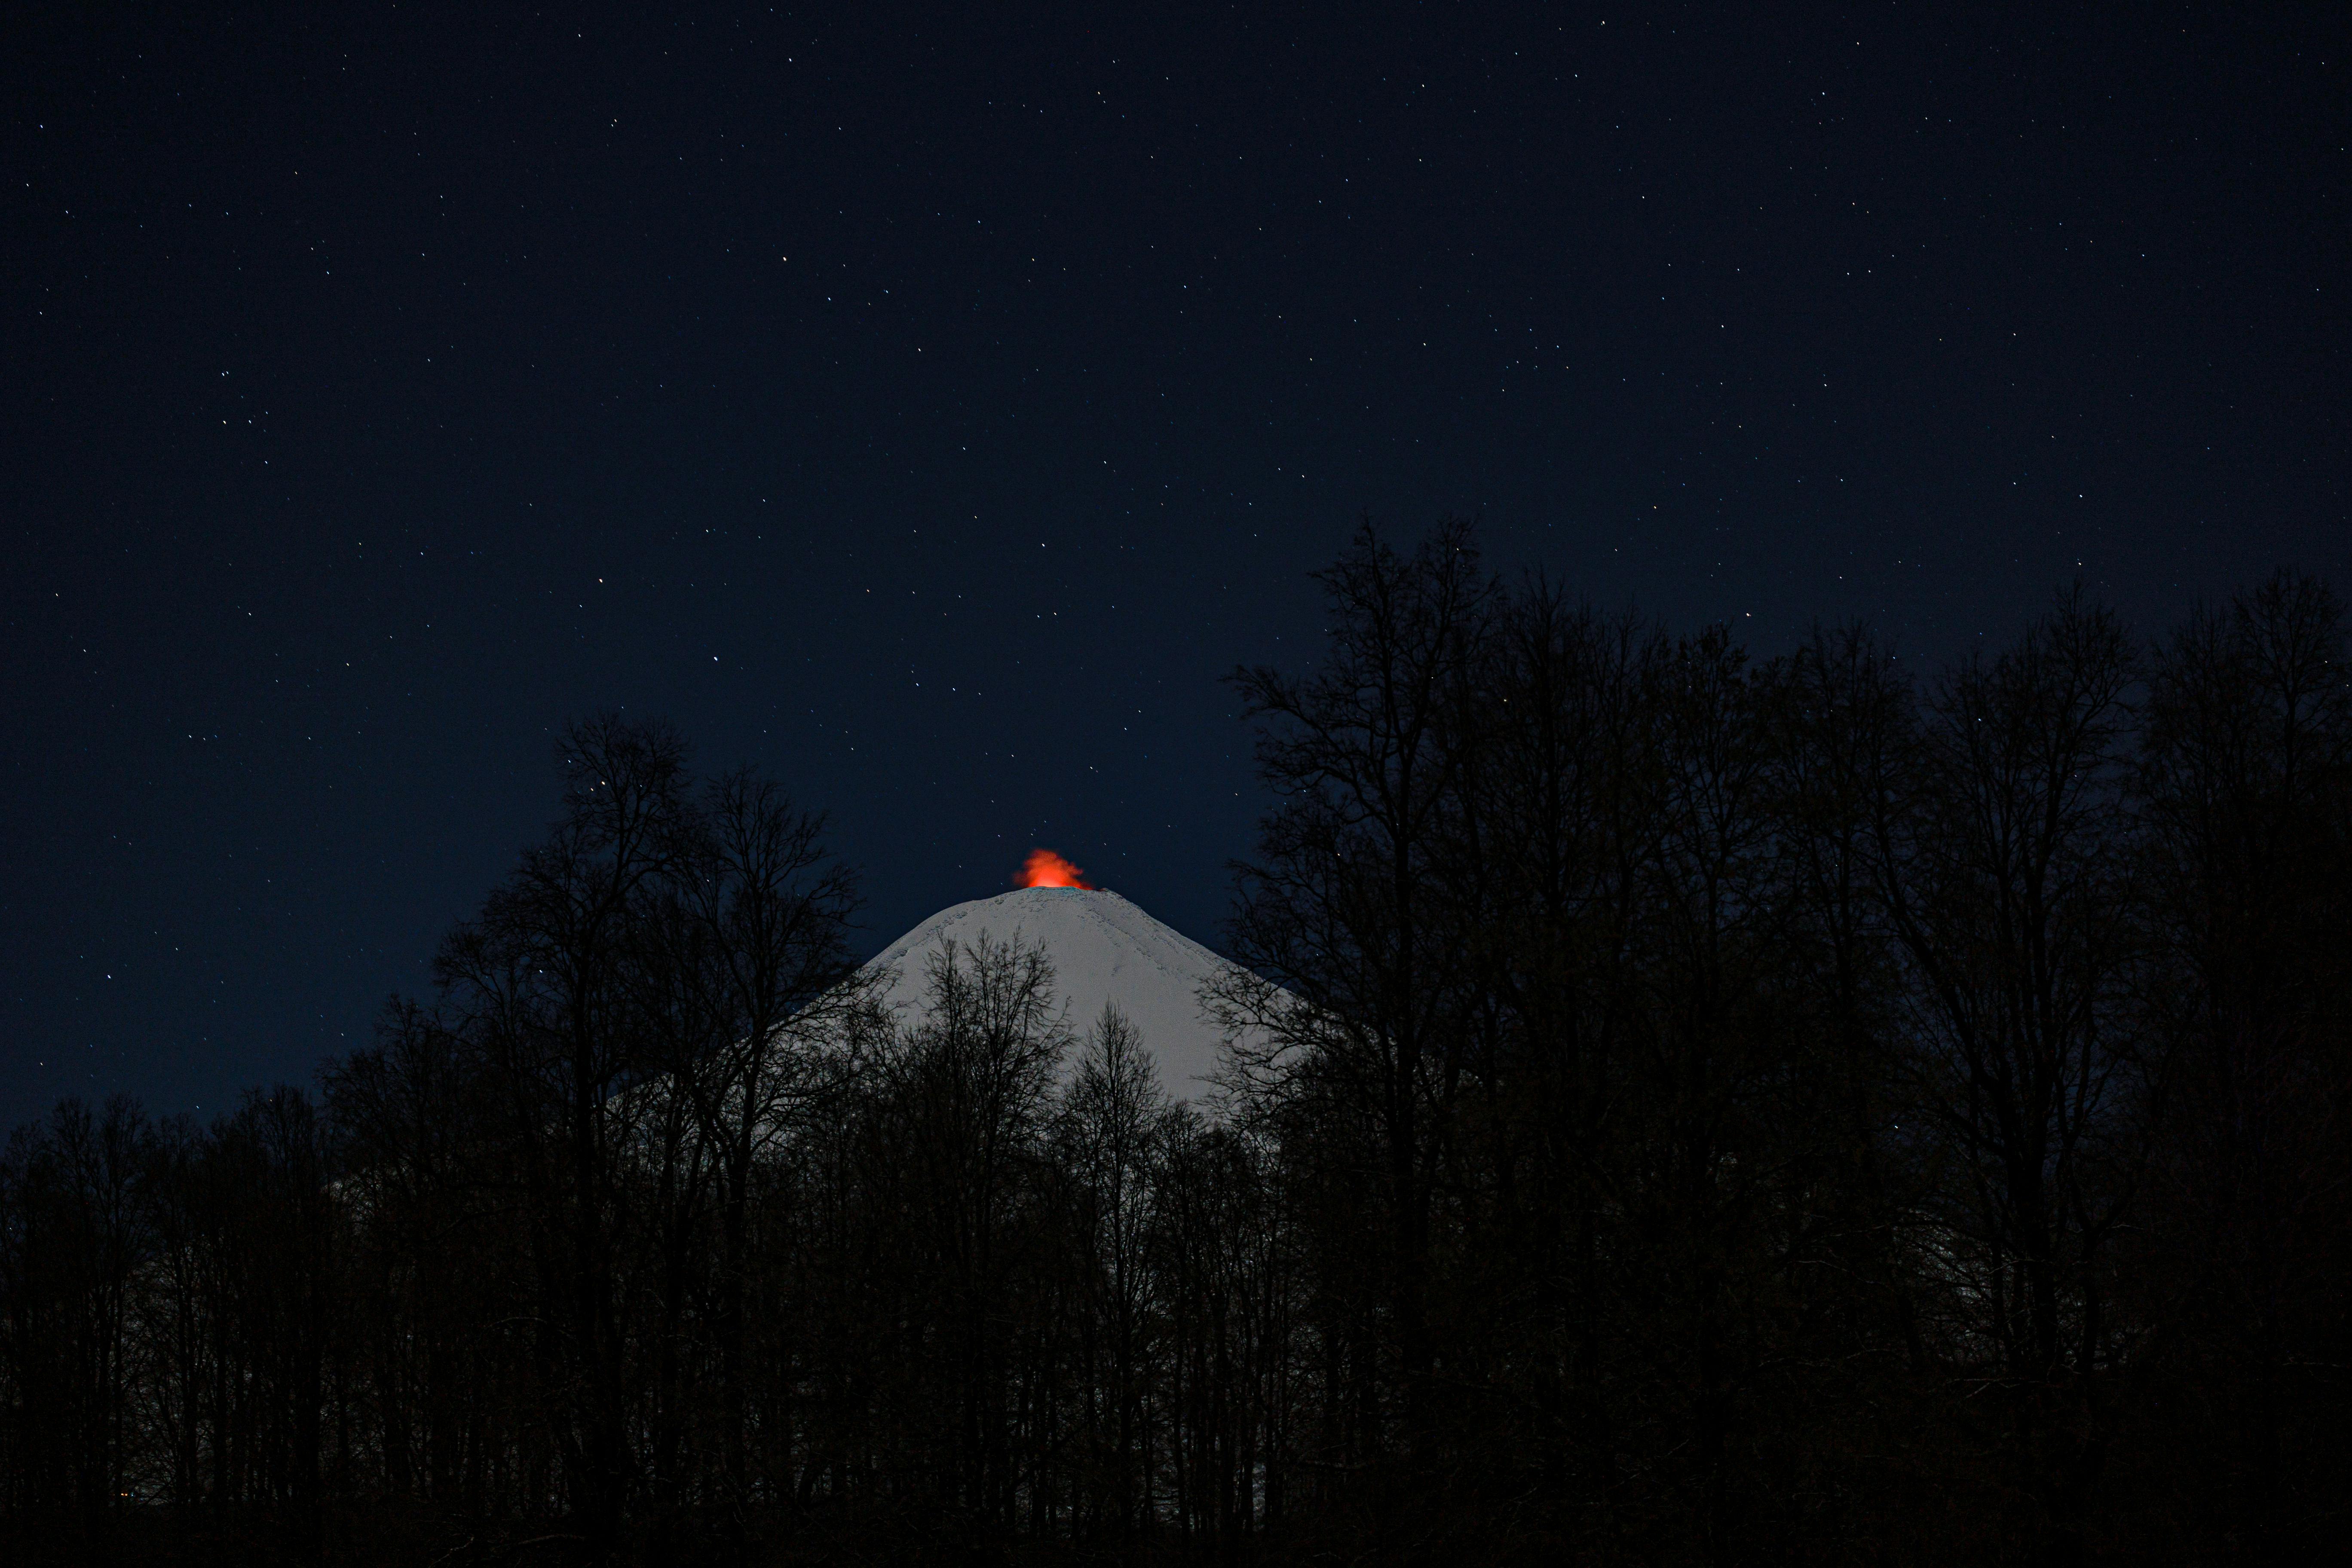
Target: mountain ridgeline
(1655,1105)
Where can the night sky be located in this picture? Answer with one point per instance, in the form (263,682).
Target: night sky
(929,411)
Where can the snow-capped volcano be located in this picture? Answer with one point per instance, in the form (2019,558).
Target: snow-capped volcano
(1103,949)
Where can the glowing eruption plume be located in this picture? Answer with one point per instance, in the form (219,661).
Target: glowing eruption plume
(1043,869)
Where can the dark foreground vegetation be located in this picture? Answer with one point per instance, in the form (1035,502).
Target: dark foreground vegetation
(1711,1112)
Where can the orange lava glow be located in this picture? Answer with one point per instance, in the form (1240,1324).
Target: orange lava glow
(1043,869)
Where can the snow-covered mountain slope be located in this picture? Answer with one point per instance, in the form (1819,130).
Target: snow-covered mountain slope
(1104,949)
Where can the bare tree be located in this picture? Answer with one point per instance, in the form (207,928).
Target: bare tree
(1341,914)
(2007,872)
(542,981)
(969,1096)
(1112,1124)
(2246,777)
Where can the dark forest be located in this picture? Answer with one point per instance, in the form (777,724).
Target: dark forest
(1704,1109)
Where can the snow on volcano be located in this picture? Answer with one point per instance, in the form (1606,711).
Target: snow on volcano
(1103,949)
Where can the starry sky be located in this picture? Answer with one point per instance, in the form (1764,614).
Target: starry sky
(929,407)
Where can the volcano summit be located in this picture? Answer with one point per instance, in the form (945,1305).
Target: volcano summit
(1103,949)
